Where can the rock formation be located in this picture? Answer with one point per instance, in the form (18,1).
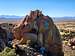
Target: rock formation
(3,39)
(41,29)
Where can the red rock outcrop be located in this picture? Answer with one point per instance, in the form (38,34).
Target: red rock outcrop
(39,28)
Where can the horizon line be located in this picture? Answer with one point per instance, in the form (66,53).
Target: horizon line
(25,15)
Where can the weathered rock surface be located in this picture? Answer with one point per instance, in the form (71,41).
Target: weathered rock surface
(3,39)
(41,29)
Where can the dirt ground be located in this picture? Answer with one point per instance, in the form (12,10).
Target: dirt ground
(68,51)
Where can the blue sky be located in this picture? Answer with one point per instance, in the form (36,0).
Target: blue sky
(53,8)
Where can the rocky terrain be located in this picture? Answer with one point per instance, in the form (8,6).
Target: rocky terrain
(33,32)
(38,32)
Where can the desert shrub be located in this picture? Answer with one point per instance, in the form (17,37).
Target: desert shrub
(8,52)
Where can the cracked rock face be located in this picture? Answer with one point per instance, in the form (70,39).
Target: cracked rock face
(3,39)
(39,28)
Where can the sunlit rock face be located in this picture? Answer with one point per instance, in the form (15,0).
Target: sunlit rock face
(41,29)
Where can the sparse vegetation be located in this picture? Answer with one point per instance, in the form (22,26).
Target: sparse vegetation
(66,36)
(8,52)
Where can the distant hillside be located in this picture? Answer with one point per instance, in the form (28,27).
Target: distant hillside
(9,18)
(13,18)
(61,19)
